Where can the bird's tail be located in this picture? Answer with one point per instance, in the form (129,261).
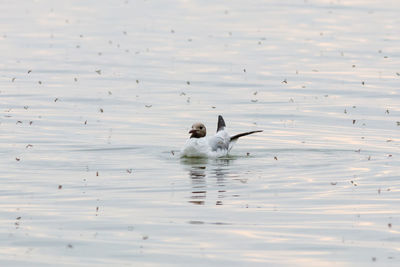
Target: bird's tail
(235,137)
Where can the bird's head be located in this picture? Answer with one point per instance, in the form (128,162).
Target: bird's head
(198,130)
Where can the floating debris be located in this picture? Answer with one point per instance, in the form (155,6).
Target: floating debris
(17,159)
(254,100)
(173,153)
(26,107)
(30,123)
(18,122)
(97,173)
(275,158)
(387,111)
(29,71)
(28,146)
(75,79)
(60,187)
(284,81)
(98,72)
(333,183)
(389,225)
(101,110)
(85,122)
(13,79)
(145,237)
(129,171)
(363,83)
(188,83)
(354,121)
(70,246)
(56,99)
(137,81)
(39,82)
(148,106)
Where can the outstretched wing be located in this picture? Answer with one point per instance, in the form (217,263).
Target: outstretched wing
(221,124)
(235,137)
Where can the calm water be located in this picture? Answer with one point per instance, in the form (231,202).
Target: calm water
(96,100)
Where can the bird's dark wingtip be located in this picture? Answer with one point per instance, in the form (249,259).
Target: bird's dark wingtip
(221,123)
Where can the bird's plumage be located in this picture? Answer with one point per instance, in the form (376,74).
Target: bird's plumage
(218,145)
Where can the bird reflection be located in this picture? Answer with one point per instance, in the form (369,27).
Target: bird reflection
(201,168)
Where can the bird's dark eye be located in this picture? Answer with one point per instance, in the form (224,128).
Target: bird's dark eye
(201,127)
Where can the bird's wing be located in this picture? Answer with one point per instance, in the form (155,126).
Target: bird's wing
(221,124)
(220,141)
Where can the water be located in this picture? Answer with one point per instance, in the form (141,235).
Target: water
(96,100)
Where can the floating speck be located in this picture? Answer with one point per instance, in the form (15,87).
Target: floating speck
(188,83)
(172,152)
(389,225)
(17,159)
(39,82)
(148,106)
(333,183)
(55,99)
(28,146)
(387,111)
(129,171)
(363,83)
(98,72)
(29,71)
(101,110)
(30,123)
(124,32)
(26,107)
(109,93)
(354,121)
(18,218)
(13,79)
(60,187)
(172,31)
(254,100)
(85,122)
(275,158)
(137,81)
(97,173)
(70,246)
(18,122)
(284,81)
(145,237)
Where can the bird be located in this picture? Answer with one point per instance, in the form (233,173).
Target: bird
(200,145)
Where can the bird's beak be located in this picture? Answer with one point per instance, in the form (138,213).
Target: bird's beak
(192,131)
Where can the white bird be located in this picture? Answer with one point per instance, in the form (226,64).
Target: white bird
(218,145)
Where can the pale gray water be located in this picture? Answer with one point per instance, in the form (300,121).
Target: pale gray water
(319,187)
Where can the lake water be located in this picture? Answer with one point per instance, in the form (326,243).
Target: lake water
(96,100)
